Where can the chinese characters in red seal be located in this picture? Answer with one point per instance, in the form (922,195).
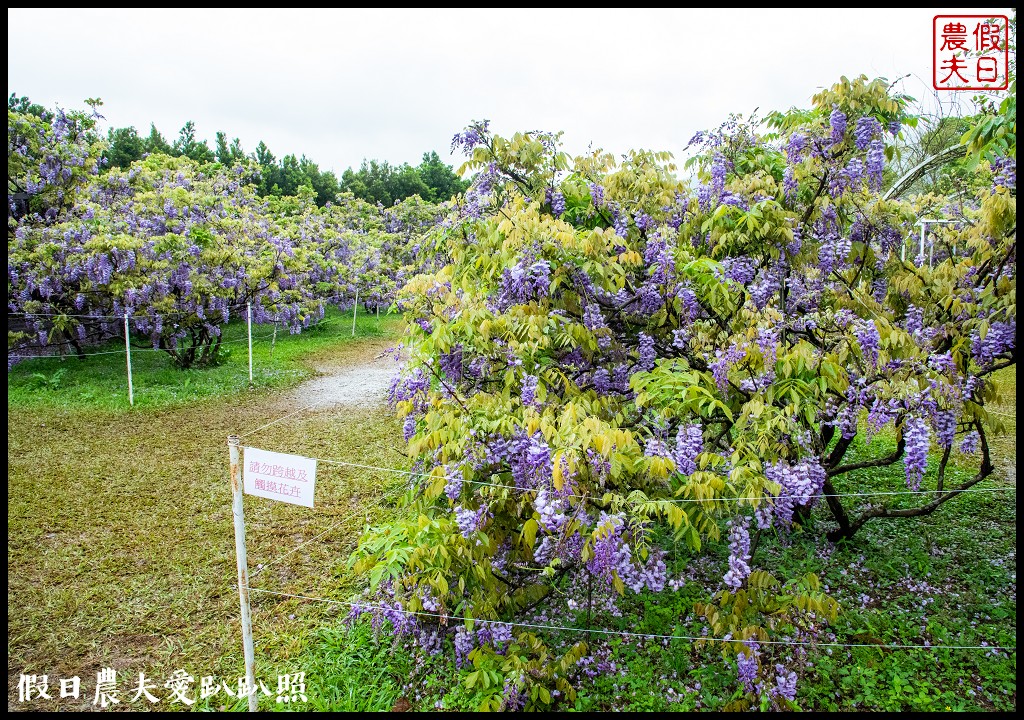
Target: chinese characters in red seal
(970,52)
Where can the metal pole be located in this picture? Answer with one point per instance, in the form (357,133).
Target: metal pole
(128,355)
(924,225)
(354,307)
(931,250)
(273,340)
(243,568)
(248,323)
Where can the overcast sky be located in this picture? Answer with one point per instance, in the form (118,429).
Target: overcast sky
(343,85)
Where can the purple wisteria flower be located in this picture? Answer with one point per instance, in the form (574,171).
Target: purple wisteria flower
(969,445)
(656,447)
(867,336)
(789,184)
(1004,173)
(1001,338)
(592,318)
(552,510)
(719,169)
(472,136)
(523,282)
(529,392)
(740,269)
(704,196)
(621,222)
(724,360)
(915,455)
(556,200)
(880,414)
(613,558)
(800,485)
(409,427)
(746,667)
(451,364)
(463,645)
(739,553)
(944,422)
(643,221)
(658,258)
(647,352)
(785,683)
(513,695)
(689,444)
(796,147)
(914,322)
(764,288)
(453,484)
(837,120)
(876,164)
(530,458)
(865,131)
(413,388)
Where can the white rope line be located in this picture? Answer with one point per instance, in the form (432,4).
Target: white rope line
(74,355)
(996,412)
(373,467)
(774,497)
(133,316)
(327,300)
(674,500)
(627,633)
(89,317)
(377,501)
(67,355)
(284,417)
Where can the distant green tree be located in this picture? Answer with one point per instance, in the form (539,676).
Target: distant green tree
(354,182)
(270,173)
(440,179)
(406,181)
(263,156)
(291,175)
(228,154)
(156,143)
(382,183)
(387,184)
(24,106)
(190,147)
(363,183)
(324,184)
(125,146)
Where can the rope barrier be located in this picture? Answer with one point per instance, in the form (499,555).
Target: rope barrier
(628,633)
(673,500)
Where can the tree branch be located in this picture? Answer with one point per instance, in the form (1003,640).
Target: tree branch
(877,462)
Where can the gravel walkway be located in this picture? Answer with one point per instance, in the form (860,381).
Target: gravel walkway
(364,384)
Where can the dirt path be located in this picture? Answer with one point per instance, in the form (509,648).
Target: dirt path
(360,378)
(362,385)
